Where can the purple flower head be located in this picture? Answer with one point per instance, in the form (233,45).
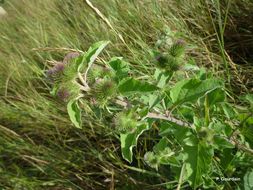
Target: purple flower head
(50,73)
(161,60)
(180,42)
(59,67)
(63,94)
(158,57)
(70,56)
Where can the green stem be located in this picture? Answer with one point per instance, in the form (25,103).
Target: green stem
(181,177)
(207,114)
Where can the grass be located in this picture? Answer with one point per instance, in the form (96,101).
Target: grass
(39,147)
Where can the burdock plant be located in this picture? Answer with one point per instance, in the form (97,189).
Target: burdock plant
(104,90)
(188,114)
(172,59)
(126,121)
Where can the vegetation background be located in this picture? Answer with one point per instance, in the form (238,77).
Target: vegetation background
(39,148)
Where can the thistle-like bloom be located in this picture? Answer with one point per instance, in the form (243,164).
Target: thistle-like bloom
(178,48)
(59,67)
(70,56)
(55,71)
(161,60)
(180,42)
(63,94)
(103,90)
(125,121)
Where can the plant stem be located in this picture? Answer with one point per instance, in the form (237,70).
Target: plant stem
(181,177)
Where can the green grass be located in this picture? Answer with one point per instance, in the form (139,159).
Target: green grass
(40,149)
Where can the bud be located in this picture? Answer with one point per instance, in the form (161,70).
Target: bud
(177,49)
(125,121)
(59,67)
(54,73)
(103,90)
(68,91)
(63,94)
(152,160)
(173,63)
(161,60)
(206,134)
(70,56)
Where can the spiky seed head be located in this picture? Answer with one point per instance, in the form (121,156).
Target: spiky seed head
(59,67)
(68,91)
(55,72)
(205,134)
(161,60)
(69,73)
(173,63)
(152,160)
(125,121)
(70,56)
(103,90)
(63,94)
(97,72)
(177,49)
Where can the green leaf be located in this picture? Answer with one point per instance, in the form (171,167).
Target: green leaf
(226,159)
(248,180)
(190,140)
(167,157)
(221,128)
(164,154)
(216,96)
(151,159)
(221,143)
(161,145)
(90,56)
(154,100)
(228,110)
(162,77)
(120,67)
(74,112)
(249,98)
(192,89)
(117,64)
(129,140)
(179,132)
(161,154)
(131,85)
(198,163)
(191,67)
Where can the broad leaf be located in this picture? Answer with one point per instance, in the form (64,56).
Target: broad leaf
(74,112)
(216,96)
(162,77)
(192,89)
(249,98)
(228,110)
(198,163)
(131,85)
(179,132)
(90,56)
(161,145)
(221,143)
(154,99)
(248,180)
(119,66)
(161,155)
(129,140)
